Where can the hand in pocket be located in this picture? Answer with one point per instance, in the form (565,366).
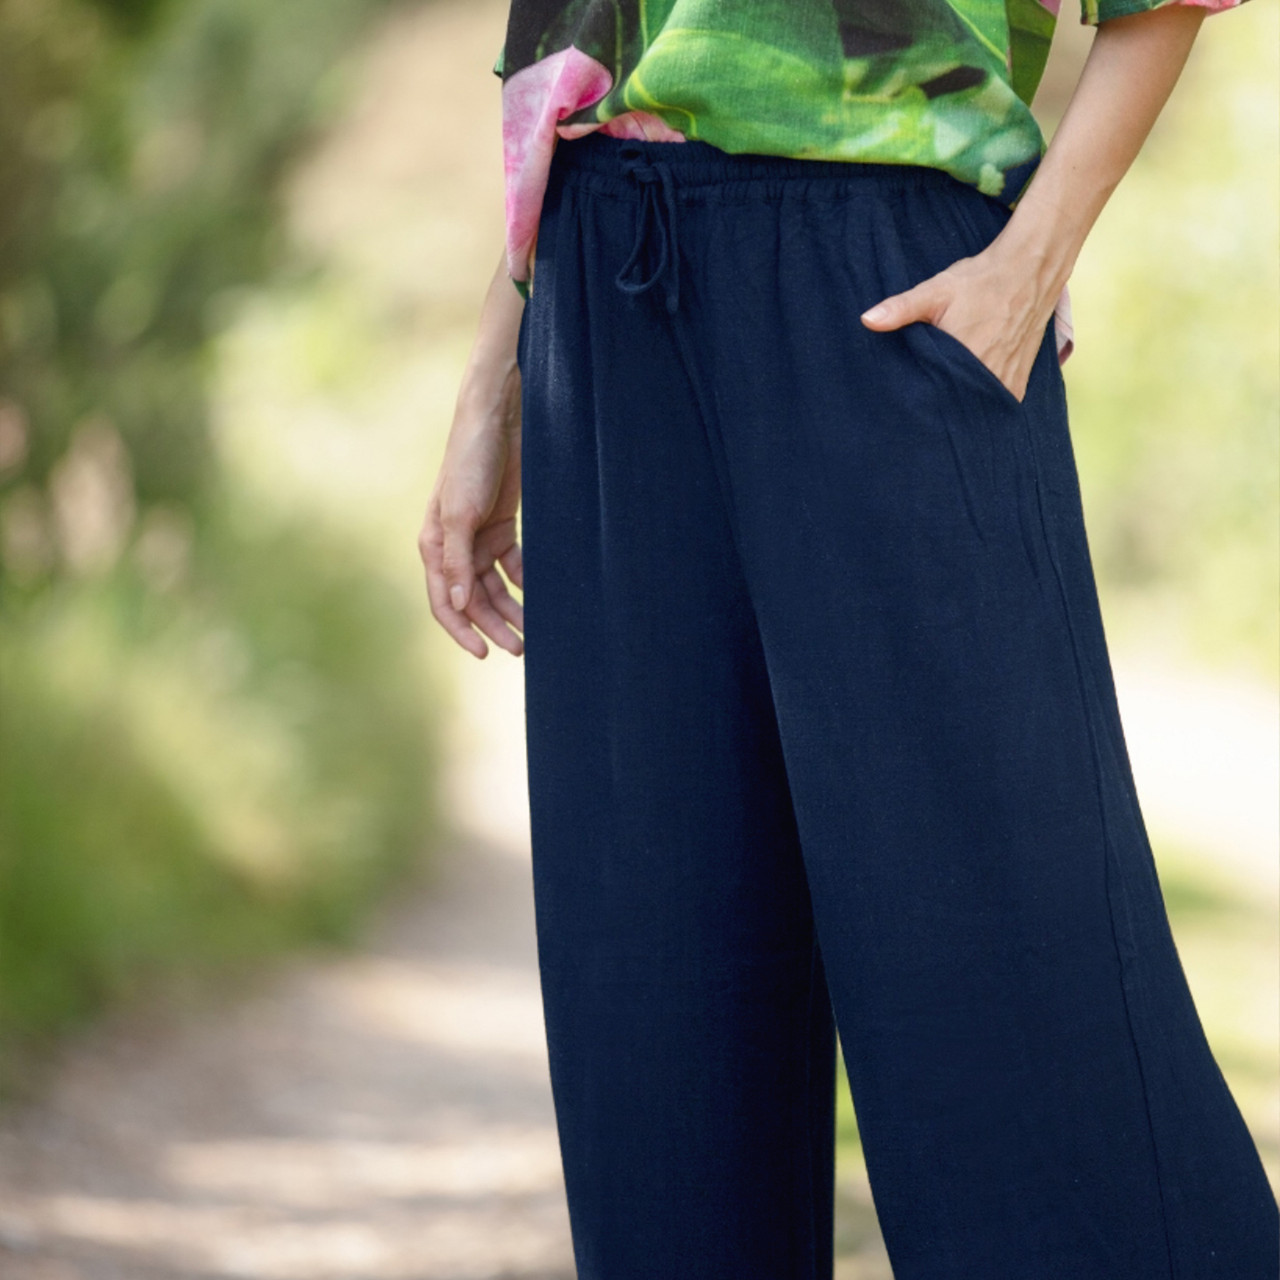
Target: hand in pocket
(990,304)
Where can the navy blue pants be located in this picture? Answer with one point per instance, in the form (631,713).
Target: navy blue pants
(822,732)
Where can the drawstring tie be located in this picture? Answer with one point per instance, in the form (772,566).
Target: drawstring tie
(650,175)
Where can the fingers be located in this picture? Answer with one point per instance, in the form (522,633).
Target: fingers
(501,599)
(491,609)
(431,548)
(455,623)
(496,544)
(458,528)
(487,605)
(893,312)
(512,560)
(484,612)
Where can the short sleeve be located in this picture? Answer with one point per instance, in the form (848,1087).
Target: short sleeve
(497,66)
(1094,11)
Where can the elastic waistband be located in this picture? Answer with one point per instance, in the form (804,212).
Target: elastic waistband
(597,160)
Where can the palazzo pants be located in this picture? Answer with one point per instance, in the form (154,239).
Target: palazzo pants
(822,734)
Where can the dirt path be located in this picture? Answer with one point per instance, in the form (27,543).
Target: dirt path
(387,1113)
(380,1115)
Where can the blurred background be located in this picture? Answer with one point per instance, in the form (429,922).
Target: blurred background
(268,995)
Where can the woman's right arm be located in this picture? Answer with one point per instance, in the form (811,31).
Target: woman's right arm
(470,525)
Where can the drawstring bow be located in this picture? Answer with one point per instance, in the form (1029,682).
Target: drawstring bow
(658,198)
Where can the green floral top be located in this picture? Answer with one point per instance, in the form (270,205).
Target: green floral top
(946,83)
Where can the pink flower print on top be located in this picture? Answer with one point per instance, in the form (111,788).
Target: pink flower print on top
(631,124)
(534,100)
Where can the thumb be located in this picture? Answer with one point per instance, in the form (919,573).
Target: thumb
(900,309)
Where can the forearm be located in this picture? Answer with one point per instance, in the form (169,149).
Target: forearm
(1132,67)
(491,381)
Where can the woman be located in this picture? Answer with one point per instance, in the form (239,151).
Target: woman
(819,710)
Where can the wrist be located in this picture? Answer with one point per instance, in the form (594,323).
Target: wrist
(1044,245)
(1050,222)
(489,389)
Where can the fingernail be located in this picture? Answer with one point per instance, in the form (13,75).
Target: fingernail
(878,312)
(458,594)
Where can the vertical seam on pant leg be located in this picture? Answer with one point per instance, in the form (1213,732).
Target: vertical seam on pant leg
(1106,831)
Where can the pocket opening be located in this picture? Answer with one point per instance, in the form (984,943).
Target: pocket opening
(944,342)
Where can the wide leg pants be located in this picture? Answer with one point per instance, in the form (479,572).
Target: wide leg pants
(822,732)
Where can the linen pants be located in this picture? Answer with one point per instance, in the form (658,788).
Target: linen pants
(822,733)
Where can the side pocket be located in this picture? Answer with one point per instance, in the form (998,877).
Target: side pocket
(965,361)
(979,219)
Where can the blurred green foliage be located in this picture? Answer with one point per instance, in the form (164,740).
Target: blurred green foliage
(214,736)
(1175,387)
(145,167)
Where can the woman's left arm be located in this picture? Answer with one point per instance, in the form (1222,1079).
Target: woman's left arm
(998,302)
